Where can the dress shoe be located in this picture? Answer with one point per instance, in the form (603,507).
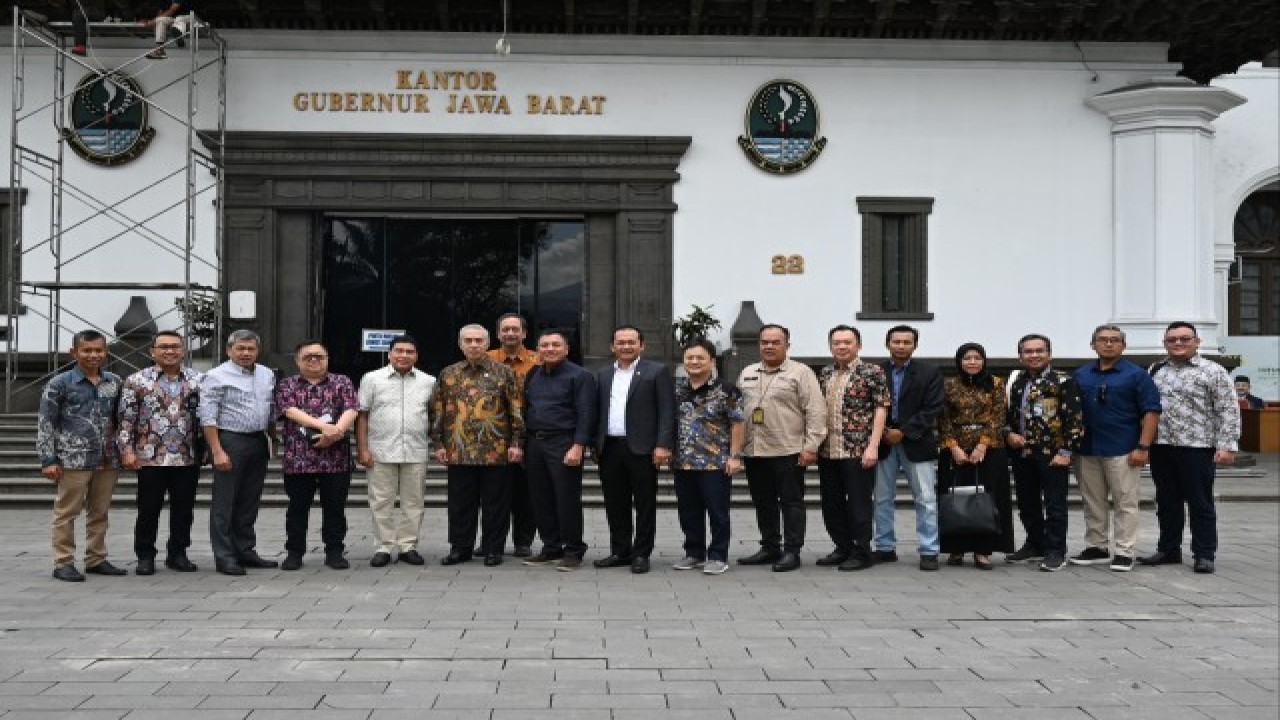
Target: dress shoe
(639,565)
(787,562)
(612,561)
(492,560)
(568,563)
(928,563)
(884,556)
(254,560)
(855,563)
(229,568)
(1026,553)
(454,558)
(835,558)
(1203,565)
(293,561)
(1160,557)
(67,573)
(106,568)
(179,563)
(336,562)
(145,566)
(380,559)
(522,551)
(413,557)
(761,557)
(543,558)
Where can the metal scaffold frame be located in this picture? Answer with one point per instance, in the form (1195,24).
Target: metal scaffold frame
(35,36)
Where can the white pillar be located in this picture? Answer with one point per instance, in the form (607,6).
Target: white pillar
(1166,267)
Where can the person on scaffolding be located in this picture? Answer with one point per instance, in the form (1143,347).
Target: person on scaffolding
(174,18)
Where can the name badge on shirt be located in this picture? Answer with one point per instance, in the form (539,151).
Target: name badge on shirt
(757,416)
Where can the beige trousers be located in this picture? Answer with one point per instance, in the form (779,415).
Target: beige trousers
(1101,477)
(82,490)
(387,482)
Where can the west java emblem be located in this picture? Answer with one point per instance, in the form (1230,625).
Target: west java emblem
(108,119)
(782,128)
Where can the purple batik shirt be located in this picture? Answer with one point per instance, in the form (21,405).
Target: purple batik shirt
(331,396)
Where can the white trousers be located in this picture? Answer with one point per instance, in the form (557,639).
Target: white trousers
(387,483)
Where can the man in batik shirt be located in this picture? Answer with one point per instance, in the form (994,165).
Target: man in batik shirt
(477,430)
(319,409)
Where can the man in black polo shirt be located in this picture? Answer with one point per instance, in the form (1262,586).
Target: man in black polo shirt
(559,398)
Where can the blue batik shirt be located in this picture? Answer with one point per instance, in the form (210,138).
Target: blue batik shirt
(76,424)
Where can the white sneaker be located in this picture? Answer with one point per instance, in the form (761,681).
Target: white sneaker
(689,563)
(715,567)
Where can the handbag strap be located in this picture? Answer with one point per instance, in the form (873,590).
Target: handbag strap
(978,488)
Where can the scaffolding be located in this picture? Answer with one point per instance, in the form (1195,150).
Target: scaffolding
(200,54)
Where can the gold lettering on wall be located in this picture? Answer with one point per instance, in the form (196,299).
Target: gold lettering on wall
(461,92)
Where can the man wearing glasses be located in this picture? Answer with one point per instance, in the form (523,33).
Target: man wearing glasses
(157,437)
(1198,429)
(319,409)
(1121,409)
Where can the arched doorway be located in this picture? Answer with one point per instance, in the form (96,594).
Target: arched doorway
(1253,297)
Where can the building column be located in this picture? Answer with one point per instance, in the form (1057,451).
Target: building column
(1165,265)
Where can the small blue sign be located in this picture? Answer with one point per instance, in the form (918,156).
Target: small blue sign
(374,340)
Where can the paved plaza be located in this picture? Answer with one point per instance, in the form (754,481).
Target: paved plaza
(514,642)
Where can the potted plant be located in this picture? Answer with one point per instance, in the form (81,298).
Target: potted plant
(697,324)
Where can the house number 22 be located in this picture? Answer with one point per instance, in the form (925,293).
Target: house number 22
(788,264)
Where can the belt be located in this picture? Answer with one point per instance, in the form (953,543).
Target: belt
(255,433)
(544,434)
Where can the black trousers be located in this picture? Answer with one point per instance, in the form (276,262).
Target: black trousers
(702,499)
(556,491)
(1042,501)
(153,484)
(629,480)
(848,504)
(777,491)
(482,490)
(301,489)
(523,526)
(993,474)
(237,494)
(1185,475)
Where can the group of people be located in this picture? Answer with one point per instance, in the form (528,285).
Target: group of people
(513,427)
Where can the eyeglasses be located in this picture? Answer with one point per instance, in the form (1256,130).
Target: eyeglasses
(166,347)
(313,358)
(1109,340)
(1180,340)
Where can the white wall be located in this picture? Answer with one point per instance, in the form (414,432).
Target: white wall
(999,135)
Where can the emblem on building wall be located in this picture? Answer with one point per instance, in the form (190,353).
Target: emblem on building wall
(107,119)
(782,128)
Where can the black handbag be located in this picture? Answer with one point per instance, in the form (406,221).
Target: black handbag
(968,512)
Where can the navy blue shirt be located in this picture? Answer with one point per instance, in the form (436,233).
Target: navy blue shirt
(560,398)
(1115,401)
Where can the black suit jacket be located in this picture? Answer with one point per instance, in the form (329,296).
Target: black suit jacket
(919,405)
(651,407)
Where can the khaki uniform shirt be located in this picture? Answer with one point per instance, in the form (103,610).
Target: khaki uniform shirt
(784,408)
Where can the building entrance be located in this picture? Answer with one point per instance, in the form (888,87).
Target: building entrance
(432,275)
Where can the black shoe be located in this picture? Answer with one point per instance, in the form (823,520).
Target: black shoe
(492,560)
(1053,562)
(1091,556)
(145,566)
(543,558)
(67,573)
(884,556)
(1203,565)
(613,561)
(336,562)
(380,559)
(291,562)
(254,560)
(1161,557)
(455,557)
(1026,553)
(178,562)
(106,568)
(522,551)
(568,563)
(229,568)
(855,563)
(928,563)
(412,557)
(763,557)
(787,562)
(835,558)
(639,565)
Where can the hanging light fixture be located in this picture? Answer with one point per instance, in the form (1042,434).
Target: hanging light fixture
(503,46)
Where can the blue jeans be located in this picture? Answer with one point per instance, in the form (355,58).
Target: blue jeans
(702,498)
(922,477)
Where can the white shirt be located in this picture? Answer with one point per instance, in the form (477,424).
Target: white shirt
(618,399)
(399,413)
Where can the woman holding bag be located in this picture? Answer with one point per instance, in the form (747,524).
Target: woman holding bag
(973,452)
